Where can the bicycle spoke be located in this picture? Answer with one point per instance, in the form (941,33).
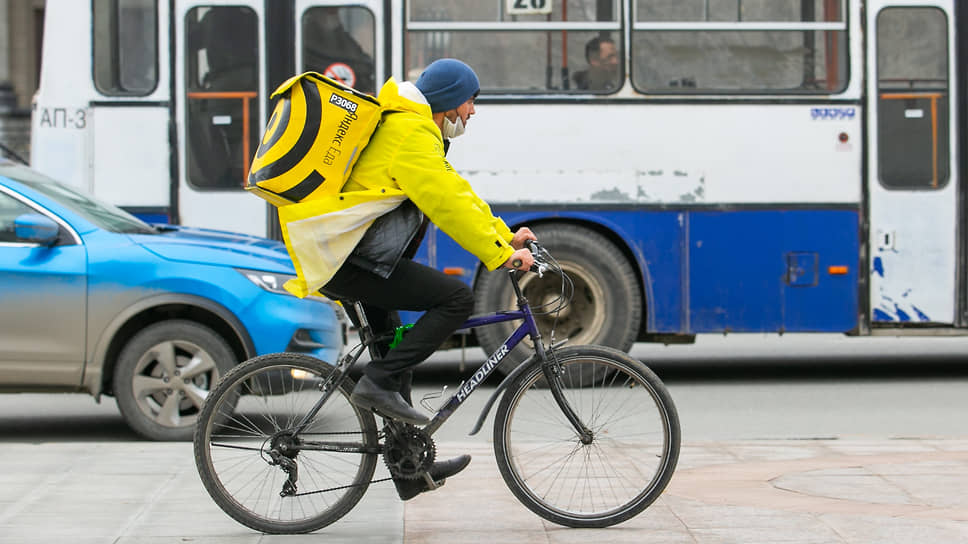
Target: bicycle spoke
(601,479)
(245,445)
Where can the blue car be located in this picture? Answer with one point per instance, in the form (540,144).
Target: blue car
(94,300)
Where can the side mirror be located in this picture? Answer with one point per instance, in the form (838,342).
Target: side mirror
(36,228)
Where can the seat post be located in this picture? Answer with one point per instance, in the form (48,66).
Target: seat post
(367,335)
(364,324)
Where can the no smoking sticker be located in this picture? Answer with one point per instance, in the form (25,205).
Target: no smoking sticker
(341,72)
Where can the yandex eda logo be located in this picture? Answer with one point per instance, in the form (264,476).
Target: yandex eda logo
(336,144)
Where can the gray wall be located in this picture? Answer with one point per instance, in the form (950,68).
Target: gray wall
(19,65)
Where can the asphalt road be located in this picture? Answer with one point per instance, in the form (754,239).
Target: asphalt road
(734,387)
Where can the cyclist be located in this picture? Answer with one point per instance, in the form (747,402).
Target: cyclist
(407,154)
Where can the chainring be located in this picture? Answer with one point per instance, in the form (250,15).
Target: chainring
(408,451)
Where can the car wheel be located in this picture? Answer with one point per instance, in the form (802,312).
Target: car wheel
(164,374)
(606,308)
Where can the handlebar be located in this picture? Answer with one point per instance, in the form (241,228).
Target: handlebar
(540,266)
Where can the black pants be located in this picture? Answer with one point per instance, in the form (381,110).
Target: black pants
(446,300)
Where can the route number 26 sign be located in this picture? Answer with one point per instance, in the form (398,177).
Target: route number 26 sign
(528,7)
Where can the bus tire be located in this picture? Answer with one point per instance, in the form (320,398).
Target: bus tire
(606,308)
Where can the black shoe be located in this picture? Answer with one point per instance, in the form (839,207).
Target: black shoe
(391,404)
(439,472)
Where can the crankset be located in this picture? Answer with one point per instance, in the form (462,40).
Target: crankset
(408,451)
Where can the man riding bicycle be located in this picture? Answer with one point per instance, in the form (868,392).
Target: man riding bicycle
(407,154)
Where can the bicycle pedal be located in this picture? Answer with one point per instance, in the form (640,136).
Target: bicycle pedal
(431,483)
(430,396)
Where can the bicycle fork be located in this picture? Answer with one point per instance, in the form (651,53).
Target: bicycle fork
(552,373)
(551,369)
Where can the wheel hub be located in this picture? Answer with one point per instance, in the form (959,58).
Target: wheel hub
(172,380)
(286,444)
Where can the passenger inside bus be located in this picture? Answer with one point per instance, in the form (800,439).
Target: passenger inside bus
(328,48)
(602,73)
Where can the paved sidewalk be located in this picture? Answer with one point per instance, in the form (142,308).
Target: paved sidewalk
(849,490)
(769,491)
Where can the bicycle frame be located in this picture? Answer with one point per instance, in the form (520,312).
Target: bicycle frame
(528,327)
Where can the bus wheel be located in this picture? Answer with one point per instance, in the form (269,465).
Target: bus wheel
(606,308)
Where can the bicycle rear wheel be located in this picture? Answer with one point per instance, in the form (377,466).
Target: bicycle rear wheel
(244,444)
(627,463)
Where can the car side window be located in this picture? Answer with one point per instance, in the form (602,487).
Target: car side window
(10,209)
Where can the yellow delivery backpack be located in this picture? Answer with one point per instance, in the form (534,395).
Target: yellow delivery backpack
(314,137)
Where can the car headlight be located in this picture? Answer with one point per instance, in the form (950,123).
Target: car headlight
(267,280)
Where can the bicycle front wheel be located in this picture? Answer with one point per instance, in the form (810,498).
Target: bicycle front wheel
(607,478)
(265,474)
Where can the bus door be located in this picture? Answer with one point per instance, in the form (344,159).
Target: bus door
(219,83)
(231,56)
(341,40)
(911,179)
(128,117)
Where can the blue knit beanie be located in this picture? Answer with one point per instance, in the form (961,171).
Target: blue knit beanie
(448,83)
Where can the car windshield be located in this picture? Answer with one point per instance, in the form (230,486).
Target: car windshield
(103,215)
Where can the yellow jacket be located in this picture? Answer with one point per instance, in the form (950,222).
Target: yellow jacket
(403,160)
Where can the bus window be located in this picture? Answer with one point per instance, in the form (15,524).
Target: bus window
(222,95)
(125,42)
(340,43)
(537,48)
(739,46)
(912,102)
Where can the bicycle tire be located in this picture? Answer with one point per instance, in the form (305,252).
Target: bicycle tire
(255,402)
(632,455)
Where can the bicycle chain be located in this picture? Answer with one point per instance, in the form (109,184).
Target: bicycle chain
(341,487)
(327,490)
(427,455)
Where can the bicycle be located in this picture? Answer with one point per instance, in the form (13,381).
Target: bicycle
(584,436)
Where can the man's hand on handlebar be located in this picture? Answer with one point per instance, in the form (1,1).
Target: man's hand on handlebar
(521,259)
(521,236)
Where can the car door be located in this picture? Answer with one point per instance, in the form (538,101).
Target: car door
(43,303)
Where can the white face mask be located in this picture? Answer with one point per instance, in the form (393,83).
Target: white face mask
(452,129)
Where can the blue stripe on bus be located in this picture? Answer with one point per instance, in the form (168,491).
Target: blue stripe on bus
(149,214)
(712,271)
(152,218)
(739,266)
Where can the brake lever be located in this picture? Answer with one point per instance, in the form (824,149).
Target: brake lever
(538,268)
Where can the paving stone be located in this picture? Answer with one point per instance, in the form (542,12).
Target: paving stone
(848,491)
